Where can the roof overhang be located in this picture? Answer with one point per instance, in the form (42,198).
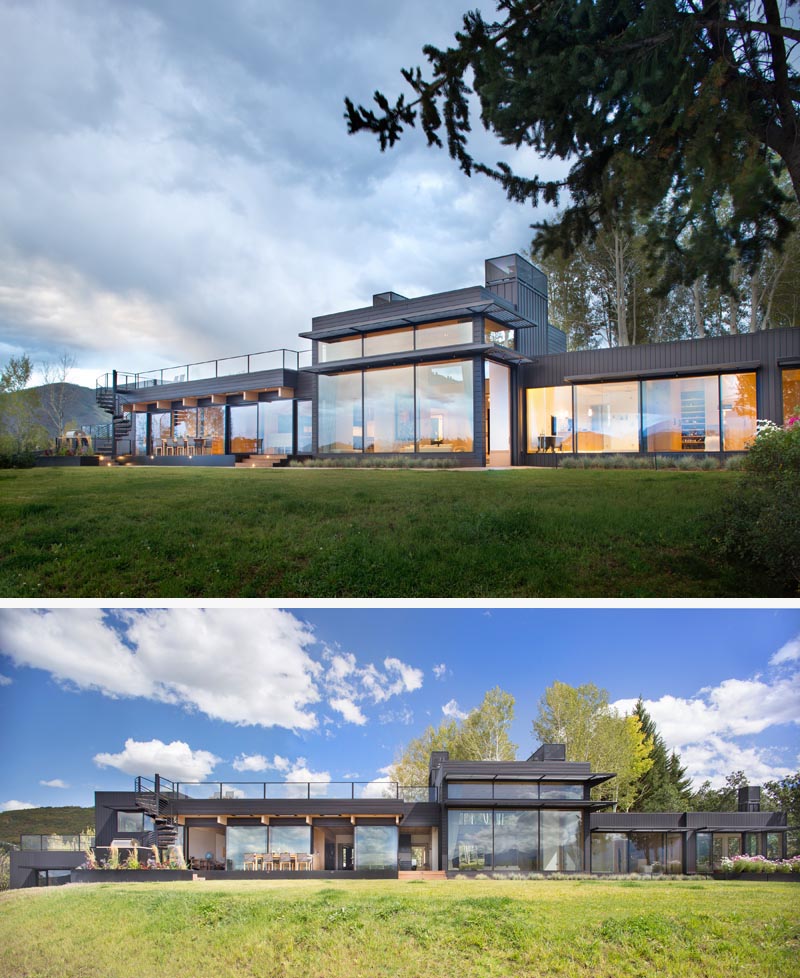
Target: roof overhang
(501,314)
(465,351)
(699,370)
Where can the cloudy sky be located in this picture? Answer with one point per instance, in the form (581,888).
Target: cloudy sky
(89,699)
(177,184)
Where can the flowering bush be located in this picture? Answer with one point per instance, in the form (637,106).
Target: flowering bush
(760,864)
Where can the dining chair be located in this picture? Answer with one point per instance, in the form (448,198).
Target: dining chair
(304,860)
(286,861)
(250,861)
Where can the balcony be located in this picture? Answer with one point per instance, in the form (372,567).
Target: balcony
(334,790)
(56,843)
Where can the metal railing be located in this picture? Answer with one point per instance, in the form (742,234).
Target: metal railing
(247,363)
(267,790)
(56,843)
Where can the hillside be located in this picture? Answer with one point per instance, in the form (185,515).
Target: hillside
(80,407)
(43,821)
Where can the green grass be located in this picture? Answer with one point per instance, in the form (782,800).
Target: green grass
(139,532)
(312,929)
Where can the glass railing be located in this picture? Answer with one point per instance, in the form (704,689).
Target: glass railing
(247,363)
(220,790)
(56,843)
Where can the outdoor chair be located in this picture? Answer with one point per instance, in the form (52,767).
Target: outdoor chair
(286,861)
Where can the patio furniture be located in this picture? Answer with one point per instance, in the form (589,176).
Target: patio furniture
(286,861)
(304,860)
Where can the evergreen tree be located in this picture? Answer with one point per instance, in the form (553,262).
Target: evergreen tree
(664,787)
(662,108)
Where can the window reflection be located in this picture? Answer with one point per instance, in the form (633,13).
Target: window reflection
(469,840)
(140,433)
(304,434)
(340,417)
(389,409)
(790,380)
(607,417)
(646,852)
(449,332)
(681,415)
(388,341)
(516,840)
(376,847)
(346,349)
(560,790)
(242,843)
(445,415)
(275,422)
(211,428)
(738,410)
(609,852)
(726,845)
(498,335)
(562,841)
(244,429)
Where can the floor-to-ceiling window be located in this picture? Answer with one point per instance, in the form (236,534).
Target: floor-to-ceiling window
(389,409)
(562,841)
(469,840)
(275,427)
(549,419)
(140,433)
(726,845)
(516,840)
(160,431)
(609,852)
(646,852)
(497,394)
(243,843)
(340,416)
(244,429)
(211,428)
(290,838)
(304,429)
(445,411)
(790,383)
(738,402)
(681,414)
(376,847)
(607,417)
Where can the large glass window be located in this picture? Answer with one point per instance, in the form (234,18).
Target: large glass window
(738,411)
(774,845)
(346,349)
(562,842)
(211,428)
(304,442)
(389,409)
(469,789)
(726,846)
(646,852)
(549,419)
(607,417)
(445,417)
(290,838)
(469,840)
(275,422)
(184,423)
(243,843)
(516,789)
(450,332)
(790,381)
(681,415)
(376,847)
(389,341)
(561,790)
(674,860)
(52,877)
(340,420)
(134,822)
(140,434)
(609,852)
(498,335)
(703,843)
(160,430)
(244,429)
(516,840)
(752,844)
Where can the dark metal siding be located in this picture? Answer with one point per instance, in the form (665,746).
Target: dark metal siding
(24,864)
(436,305)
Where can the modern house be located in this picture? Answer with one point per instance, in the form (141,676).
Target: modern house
(478,376)
(533,816)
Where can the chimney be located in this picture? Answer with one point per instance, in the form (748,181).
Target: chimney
(550,752)
(438,757)
(750,799)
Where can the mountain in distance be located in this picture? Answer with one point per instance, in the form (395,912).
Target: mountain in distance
(68,820)
(80,406)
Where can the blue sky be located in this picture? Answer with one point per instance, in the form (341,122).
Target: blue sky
(177,182)
(89,698)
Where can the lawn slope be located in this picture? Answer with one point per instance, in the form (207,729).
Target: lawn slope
(359,929)
(137,532)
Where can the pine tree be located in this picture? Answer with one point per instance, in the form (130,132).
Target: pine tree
(665,786)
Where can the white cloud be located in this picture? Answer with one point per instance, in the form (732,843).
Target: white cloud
(248,669)
(257,762)
(15,806)
(404,716)
(175,760)
(350,684)
(5,681)
(790,652)
(349,710)
(299,771)
(452,712)
(440,670)
(705,729)
(55,783)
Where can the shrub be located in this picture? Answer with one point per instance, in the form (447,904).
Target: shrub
(760,524)
(17,460)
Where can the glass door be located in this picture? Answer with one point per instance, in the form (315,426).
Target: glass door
(497,411)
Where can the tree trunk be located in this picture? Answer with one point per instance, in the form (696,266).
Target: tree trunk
(619,274)
(698,309)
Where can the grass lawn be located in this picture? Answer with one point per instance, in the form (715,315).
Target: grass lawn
(316,929)
(139,532)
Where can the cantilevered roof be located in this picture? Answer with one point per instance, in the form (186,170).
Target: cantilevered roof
(463,351)
(504,314)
